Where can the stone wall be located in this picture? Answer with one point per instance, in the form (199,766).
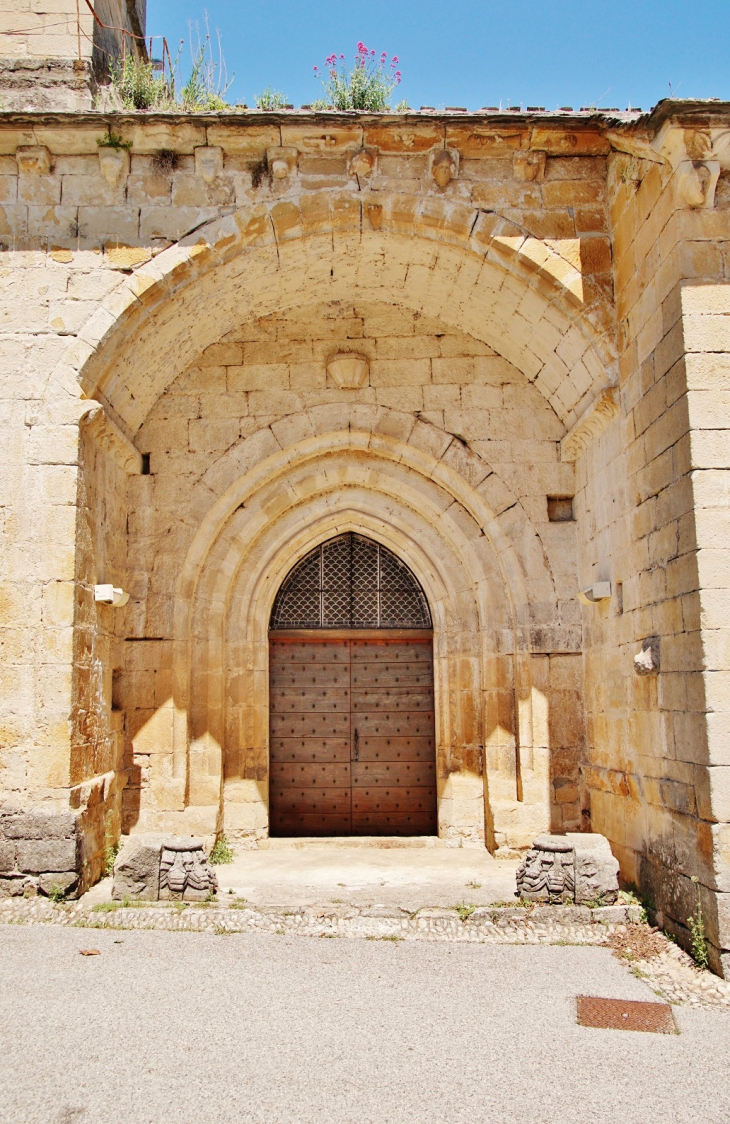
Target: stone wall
(651,506)
(54,53)
(38,851)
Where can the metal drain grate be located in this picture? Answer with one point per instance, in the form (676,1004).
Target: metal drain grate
(625,1014)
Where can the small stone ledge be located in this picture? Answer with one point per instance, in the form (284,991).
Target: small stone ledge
(590,425)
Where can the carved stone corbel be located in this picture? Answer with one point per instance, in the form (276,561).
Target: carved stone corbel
(110,437)
(208,162)
(593,422)
(33,160)
(444,166)
(282,161)
(696,182)
(362,162)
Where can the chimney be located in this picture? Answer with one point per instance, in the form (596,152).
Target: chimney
(55,54)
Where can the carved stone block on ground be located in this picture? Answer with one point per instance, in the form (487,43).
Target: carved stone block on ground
(137,870)
(152,868)
(547,873)
(185,873)
(576,867)
(596,870)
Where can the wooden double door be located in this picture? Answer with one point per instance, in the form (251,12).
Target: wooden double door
(352,735)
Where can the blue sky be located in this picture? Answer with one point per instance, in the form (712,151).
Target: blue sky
(465,53)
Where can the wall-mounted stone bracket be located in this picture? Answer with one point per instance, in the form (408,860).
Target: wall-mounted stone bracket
(444,166)
(362,162)
(282,161)
(33,160)
(110,437)
(114,164)
(529,166)
(648,660)
(590,425)
(208,162)
(696,182)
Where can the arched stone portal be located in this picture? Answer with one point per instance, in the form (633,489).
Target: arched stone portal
(272,457)
(212,741)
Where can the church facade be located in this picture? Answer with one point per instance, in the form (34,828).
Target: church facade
(367,474)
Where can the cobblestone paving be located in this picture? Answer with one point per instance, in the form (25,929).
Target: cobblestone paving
(668,970)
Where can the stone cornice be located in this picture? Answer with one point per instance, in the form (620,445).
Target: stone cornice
(690,113)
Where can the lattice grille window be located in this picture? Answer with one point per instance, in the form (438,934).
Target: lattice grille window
(350,582)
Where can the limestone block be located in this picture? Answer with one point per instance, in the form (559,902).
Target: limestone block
(596,869)
(137,869)
(38,825)
(15,885)
(7,855)
(66,881)
(40,855)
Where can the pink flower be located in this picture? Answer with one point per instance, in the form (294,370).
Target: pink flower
(395,59)
(342,56)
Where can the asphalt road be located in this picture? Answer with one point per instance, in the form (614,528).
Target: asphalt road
(168,1027)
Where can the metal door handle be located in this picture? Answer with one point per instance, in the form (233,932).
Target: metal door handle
(356,755)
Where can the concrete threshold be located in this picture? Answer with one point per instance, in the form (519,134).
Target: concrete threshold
(399,872)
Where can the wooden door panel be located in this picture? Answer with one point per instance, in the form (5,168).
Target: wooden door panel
(295,824)
(304,675)
(417,724)
(392,699)
(397,651)
(326,801)
(396,749)
(392,674)
(326,774)
(314,725)
(389,773)
(388,800)
(310,749)
(286,653)
(393,823)
(331,699)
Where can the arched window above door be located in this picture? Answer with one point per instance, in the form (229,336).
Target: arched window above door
(350,582)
